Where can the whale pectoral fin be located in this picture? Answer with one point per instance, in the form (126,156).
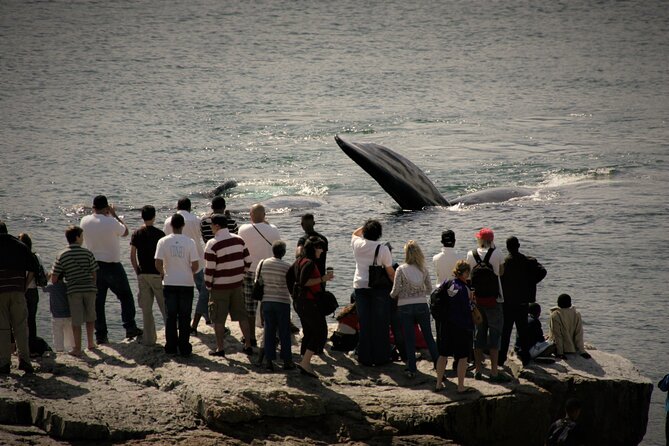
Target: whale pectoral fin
(398,176)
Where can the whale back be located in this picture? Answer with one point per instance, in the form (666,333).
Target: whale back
(398,176)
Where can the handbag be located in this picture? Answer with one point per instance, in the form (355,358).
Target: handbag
(259,285)
(477,317)
(326,302)
(378,277)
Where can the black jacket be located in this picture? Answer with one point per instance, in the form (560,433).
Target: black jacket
(520,278)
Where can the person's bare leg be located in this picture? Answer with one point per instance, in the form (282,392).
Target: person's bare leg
(90,333)
(76,331)
(306,361)
(462,369)
(478,359)
(219,331)
(246,331)
(196,321)
(441,368)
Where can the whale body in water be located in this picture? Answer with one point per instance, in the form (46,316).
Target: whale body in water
(408,185)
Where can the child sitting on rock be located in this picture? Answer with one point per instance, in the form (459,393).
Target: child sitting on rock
(539,345)
(345,337)
(566,329)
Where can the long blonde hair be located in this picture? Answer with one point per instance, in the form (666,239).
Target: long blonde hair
(413,255)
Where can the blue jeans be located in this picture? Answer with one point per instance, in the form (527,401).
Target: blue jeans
(373,307)
(111,276)
(277,316)
(202,305)
(411,315)
(178,304)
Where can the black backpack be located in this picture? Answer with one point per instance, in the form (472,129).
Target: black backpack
(438,301)
(483,277)
(563,432)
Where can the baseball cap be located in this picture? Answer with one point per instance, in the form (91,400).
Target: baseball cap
(486,234)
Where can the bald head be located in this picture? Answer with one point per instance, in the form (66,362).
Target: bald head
(257,213)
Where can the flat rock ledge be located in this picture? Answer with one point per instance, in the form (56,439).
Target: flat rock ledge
(135,394)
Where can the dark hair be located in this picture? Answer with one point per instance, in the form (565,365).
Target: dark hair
(177,221)
(218,203)
(512,244)
(72,232)
(309,249)
(279,249)
(148,212)
(3,227)
(564,301)
(220,220)
(534,309)
(25,238)
(183,204)
(372,230)
(448,238)
(571,406)
(307,217)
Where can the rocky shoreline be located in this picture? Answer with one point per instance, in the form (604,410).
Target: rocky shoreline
(133,394)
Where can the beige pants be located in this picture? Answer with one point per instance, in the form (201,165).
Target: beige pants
(150,286)
(13,317)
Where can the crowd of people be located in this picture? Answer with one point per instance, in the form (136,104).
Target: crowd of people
(476,299)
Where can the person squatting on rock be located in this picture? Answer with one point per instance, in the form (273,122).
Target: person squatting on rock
(192,230)
(258,237)
(217,207)
(226,262)
(456,328)
(17,267)
(103,229)
(178,261)
(77,266)
(309,279)
(487,266)
(276,306)
(373,304)
(565,328)
(142,251)
(519,284)
(539,345)
(411,286)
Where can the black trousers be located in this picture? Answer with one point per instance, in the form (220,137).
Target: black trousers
(314,326)
(514,314)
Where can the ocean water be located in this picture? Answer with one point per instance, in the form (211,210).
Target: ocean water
(150,101)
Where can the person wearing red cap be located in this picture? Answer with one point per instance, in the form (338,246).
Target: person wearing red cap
(489,300)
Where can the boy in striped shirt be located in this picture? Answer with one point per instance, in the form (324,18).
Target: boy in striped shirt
(226,262)
(78,266)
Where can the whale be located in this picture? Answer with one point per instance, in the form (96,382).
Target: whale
(408,185)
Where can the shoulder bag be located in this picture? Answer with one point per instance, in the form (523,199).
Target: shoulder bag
(326,302)
(259,285)
(378,277)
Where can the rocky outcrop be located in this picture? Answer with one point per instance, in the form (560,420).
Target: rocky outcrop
(136,394)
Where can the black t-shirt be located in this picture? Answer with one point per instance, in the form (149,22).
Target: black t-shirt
(145,240)
(320,262)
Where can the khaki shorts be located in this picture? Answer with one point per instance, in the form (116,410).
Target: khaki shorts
(82,307)
(222,302)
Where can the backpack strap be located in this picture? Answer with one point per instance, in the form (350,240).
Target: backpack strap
(488,255)
(476,255)
(376,253)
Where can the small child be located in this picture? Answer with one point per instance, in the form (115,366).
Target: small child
(345,337)
(566,431)
(77,264)
(539,346)
(61,322)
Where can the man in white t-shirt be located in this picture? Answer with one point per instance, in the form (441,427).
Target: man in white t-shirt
(445,261)
(177,260)
(192,230)
(103,230)
(258,237)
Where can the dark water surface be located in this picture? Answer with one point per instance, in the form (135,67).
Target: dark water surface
(148,101)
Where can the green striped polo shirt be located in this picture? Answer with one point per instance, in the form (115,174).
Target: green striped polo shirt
(76,264)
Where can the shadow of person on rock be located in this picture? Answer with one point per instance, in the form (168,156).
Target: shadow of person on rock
(51,386)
